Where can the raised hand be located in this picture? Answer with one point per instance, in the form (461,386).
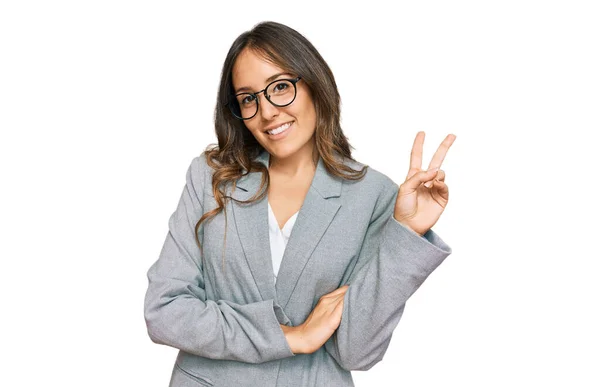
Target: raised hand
(424,194)
(319,325)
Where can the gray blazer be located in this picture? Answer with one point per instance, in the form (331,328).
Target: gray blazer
(222,308)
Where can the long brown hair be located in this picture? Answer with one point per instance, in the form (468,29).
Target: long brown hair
(237,147)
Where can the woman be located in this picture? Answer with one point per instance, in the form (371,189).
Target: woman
(287,262)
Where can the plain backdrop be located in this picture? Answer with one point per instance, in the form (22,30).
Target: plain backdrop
(103,105)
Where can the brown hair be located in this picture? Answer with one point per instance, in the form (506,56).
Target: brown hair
(237,147)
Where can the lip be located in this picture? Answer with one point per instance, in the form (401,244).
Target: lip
(282,134)
(275,126)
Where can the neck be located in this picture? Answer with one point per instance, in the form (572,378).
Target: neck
(299,163)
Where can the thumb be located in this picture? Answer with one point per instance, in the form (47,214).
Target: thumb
(418,178)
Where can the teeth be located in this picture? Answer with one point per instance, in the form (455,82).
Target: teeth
(280,129)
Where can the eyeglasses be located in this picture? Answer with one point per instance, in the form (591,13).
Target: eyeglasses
(280,93)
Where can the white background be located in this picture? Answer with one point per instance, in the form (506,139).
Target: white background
(104,104)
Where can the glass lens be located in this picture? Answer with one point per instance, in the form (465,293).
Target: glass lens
(246,105)
(281,92)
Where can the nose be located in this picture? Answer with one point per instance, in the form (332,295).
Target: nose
(267,109)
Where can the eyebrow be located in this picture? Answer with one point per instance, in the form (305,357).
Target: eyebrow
(268,80)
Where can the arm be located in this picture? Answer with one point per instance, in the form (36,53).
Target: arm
(393,262)
(176,310)
(320,324)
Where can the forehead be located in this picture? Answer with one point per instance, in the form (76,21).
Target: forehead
(252,71)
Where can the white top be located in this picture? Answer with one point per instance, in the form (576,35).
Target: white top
(279,237)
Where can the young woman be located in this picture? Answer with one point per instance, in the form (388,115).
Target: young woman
(287,262)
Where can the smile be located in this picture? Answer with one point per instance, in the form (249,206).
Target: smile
(281,129)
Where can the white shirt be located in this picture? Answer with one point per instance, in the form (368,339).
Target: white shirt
(279,237)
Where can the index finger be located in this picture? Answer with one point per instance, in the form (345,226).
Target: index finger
(416,153)
(440,153)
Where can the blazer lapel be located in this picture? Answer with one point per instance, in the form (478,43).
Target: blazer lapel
(252,224)
(318,209)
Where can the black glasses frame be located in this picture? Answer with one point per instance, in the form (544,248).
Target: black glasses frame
(233,99)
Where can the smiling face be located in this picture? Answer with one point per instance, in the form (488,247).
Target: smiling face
(252,73)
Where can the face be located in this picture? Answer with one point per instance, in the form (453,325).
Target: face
(252,73)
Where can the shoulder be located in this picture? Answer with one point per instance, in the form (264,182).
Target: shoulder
(197,172)
(374,181)
(369,198)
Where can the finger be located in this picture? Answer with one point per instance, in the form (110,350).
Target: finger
(440,186)
(416,154)
(330,302)
(441,176)
(440,153)
(340,303)
(337,301)
(440,189)
(337,291)
(416,180)
(337,313)
(340,297)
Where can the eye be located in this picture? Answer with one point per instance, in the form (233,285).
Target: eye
(248,99)
(281,86)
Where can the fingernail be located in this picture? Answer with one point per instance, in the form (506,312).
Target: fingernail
(428,184)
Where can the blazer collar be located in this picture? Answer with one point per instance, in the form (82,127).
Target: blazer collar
(326,184)
(320,205)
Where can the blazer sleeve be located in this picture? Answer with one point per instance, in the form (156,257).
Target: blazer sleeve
(176,310)
(393,262)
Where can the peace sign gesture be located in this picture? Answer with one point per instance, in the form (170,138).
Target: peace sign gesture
(424,195)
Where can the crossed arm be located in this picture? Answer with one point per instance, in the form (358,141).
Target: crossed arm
(176,310)
(356,322)
(392,264)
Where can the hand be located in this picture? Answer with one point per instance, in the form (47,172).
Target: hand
(319,325)
(424,195)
